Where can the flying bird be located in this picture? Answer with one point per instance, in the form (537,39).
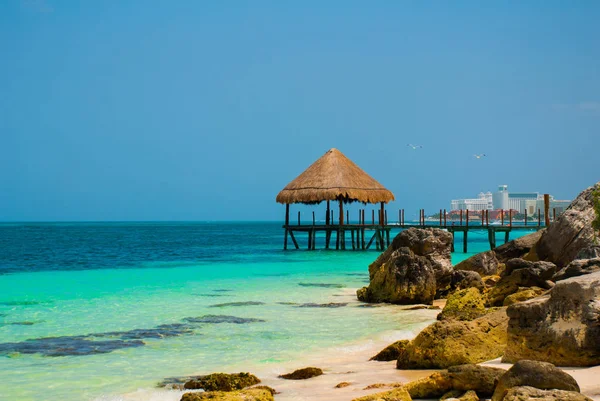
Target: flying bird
(414,146)
(479,156)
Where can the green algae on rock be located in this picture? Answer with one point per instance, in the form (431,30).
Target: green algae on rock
(398,394)
(251,394)
(465,304)
(391,352)
(222,382)
(302,374)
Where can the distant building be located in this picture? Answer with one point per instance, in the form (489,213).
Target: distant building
(502,199)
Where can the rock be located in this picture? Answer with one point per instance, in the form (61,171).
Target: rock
(415,264)
(342,384)
(572,231)
(398,394)
(449,342)
(269,389)
(484,263)
(391,352)
(521,273)
(561,327)
(519,247)
(405,278)
(452,394)
(222,382)
(302,374)
(522,393)
(466,304)
(541,375)
(523,295)
(382,385)
(589,252)
(469,396)
(578,267)
(243,395)
(461,279)
(459,379)
(490,281)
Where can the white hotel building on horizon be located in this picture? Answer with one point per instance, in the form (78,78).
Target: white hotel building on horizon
(522,202)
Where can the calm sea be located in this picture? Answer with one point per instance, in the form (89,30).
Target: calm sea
(89,311)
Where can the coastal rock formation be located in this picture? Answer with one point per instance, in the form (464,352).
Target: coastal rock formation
(571,232)
(531,393)
(521,273)
(541,375)
(466,304)
(411,269)
(461,279)
(302,374)
(222,382)
(519,248)
(578,267)
(589,252)
(391,352)
(523,295)
(458,379)
(449,342)
(398,394)
(561,328)
(252,394)
(484,263)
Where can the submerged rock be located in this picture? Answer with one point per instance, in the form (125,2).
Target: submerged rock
(466,304)
(398,394)
(67,346)
(450,342)
(252,394)
(391,352)
(327,305)
(572,231)
(247,303)
(531,393)
(343,384)
(302,374)
(216,319)
(561,327)
(322,285)
(222,382)
(536,374)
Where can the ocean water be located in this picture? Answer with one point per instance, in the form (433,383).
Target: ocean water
(90,311)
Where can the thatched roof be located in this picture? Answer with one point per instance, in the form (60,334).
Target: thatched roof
(334,177)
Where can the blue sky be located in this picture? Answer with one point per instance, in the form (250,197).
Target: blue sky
(191,110)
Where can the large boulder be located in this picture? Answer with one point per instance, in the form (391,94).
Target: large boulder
(484,263)
(416,264)
(589,252)
(461,378)
(519,247)
(398,394)
(391,352)
(523,393)
(251,394)
(578,267)
(461,279)
(302,374)
(542,375)
(450,342)
(465,304)
(561,327)
(522,295)
(222,382)
(521,273)
(571,232)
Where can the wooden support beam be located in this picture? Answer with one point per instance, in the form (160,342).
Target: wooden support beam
(327,214)
(506,236)
(309,240)
(539,218)
(362,238)
(525,216)
(337,240)
(298,217)
(461,212)
(553,214)
(387,236)
(373,217)
(546,210)
(341,212)
(452,243)
(294,239)
(327,238)
(445,222)
(371,241)
(467,212)
(352,235)
(465,241)
(509,218)
(287,223)
(285,239)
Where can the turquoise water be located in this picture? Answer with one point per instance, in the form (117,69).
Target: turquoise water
(94,310)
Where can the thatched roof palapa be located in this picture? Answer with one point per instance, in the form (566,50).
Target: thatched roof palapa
(334,177)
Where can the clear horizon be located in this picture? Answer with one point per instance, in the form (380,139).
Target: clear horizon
(153,111)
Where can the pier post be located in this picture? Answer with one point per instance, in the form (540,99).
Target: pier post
(546,210)
(452,243)
(553,214)
(467,213)
(539,218)
(313,218)
(310,239)
(465,240)
(525,216)
(440,217)
(387,236)
(509,218)
(373,217)
(327,221)
(385,220)
(399,217)
(506,236)
(502,216)
(461,217)
(402,217)
(382,214)
(287,223)
(347,216)
(445,222)
(298,217)
(352,235)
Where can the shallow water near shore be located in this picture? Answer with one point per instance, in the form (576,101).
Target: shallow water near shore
(94,310)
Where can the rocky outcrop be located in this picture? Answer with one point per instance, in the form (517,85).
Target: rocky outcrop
(222,382)
(578,267)
(484,263)
(244,395)
(522,295)
(561,328)
(541,375)
(458,379)
(466,304)
(412,269)
(589,252)
(449,342)
(520,273)
(391,352)
(302,374)
(571,232)
(398,394)
(518,248)
(523,393)
(461,279)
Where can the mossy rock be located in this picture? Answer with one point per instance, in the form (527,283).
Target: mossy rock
(222,382)
(243,395)
(452,394)
(469,396)
(302,374)
(523,295)
(433,386)
(451,342)
(467,304)
(398,394)
(391,352)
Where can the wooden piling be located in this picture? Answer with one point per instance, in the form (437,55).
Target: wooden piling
(502,216)
(298,217)
(467,213)
(509,218)
(403,217)
(461,212)
(440,217)
(546,210)
(465,240)
(539,217)
(553,214)
(525,216)
(445,222)
(327,215)
(287,223)
(313,218)
(373,217)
